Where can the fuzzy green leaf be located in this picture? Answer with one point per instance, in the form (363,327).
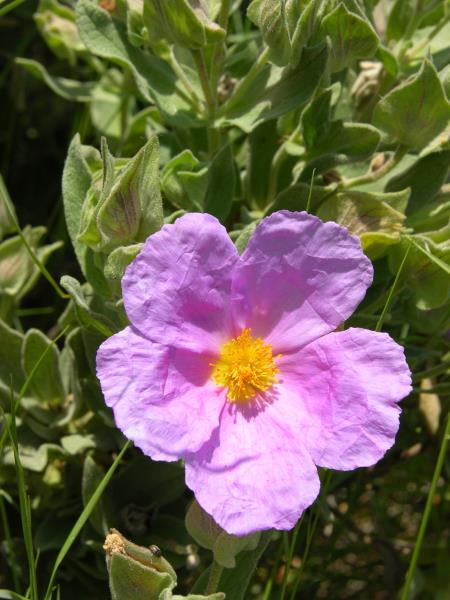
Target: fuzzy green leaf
(416,110)
(107,38)
(183,22)
(69,89)
(352,37)
(221,184)
(276,91)
(47,382)
(325,136)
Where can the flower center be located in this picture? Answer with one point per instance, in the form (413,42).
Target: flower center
(246,366)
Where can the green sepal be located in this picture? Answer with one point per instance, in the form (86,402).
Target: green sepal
(225,547)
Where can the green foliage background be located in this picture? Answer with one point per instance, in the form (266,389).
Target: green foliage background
(146,110)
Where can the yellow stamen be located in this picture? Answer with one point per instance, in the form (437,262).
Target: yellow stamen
(246,367)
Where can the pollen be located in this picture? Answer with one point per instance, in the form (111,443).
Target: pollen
(246,367)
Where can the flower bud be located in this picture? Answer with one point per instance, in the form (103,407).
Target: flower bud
(123,205)
(135,572)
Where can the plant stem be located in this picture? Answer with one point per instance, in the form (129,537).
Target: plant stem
(248,80)
(214,578)
(210,99)
(432,371)
(386,307)
(290,556)
(220,48)
(427,511)
(310,535)
(178,69)
(269,584)
(9,545)
(370,176)
(9,7)
(278,159)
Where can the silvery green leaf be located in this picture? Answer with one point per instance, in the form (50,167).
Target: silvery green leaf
(11,372)
(46,383)
(34,457)
(107,38)
(424,177)
(7,220)
(119,259)
(352,37)
(183,22)
(221,184)
(18,272)
(286,26)
(69,89)
(87,317)
(427,269)
(275,91)
(184,180)
(56,24)
(76,184)
(92,476)
(322,135)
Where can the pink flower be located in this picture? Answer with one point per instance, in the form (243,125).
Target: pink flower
(232,364)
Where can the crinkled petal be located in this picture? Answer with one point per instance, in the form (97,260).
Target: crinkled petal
(162,397)
(349,383)
(299,278)
(255,473)
(176,292)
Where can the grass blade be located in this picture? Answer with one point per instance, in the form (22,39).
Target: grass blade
(82,519)
(4,10)
(380,321)
(437,261)
(24,503)
(5,196)
(9,544)
(427,510)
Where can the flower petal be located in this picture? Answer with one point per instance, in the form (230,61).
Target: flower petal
(254,474)
(176,292)
(162,397)
(350,383)
(299,278)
